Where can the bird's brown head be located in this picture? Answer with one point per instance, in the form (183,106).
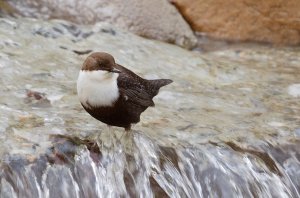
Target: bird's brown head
(100,61)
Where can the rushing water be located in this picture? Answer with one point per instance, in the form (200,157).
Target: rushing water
(148,170)
(228,126)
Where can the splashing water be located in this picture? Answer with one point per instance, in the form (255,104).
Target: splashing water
(150,170)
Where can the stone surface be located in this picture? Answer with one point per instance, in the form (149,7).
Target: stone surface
(215,95)
(230,115)
(245,20)
(155,19)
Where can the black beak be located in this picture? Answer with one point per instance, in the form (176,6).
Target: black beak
(114,70)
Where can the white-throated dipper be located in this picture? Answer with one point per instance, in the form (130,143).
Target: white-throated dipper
(113,94)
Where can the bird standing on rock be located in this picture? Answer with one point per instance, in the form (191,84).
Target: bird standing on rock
(113,94)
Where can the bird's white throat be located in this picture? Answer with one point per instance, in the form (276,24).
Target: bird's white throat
(97,88)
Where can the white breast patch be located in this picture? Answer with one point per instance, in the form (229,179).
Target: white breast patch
(97,88)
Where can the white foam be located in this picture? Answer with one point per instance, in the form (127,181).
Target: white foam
(294,90)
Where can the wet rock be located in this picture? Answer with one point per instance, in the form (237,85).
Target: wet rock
(219,94)
(61,29)
(187,172)
(157,190)
(178,148)
(168,154)
(270,163)
(36,98)
(36,95)
(268,21)
(156,19)
(82,52)
(109,31)
(7,9)
(65,148)
(29,121)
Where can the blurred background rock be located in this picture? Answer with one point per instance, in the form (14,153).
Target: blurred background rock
(271,21)
(155,19)
(276,22)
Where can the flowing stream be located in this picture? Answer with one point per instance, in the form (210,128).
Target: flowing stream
(149,170)
(228,126)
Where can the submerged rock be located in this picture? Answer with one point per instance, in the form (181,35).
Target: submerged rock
(220,92)
(231,115)
(79,167)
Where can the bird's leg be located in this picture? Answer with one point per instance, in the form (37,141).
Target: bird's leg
(110,135)
(108,143)
(128,146)
(113,138)
(106,138)
(128,140)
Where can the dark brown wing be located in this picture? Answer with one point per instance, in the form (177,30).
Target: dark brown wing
(127,72)
(133,88)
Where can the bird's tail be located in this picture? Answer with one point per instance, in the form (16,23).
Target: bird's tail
(155,85)
(160,82)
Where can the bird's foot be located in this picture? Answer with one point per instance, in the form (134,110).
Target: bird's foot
(107,139)
(109,144)
(127,142)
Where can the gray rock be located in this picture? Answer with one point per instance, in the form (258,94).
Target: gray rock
(155,19)
(227,115)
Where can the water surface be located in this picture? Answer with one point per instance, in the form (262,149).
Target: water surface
(227,127)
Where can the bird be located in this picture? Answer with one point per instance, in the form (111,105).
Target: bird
(114,94)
